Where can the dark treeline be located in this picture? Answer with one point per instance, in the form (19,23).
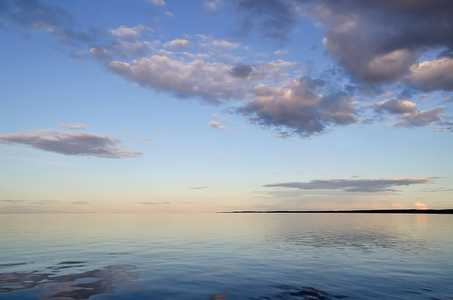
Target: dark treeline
(362,211)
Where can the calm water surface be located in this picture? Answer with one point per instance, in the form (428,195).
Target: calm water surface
(226,256)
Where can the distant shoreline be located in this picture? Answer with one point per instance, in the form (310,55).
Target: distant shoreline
(362,211)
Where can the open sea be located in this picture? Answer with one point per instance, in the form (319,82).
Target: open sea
(226,256)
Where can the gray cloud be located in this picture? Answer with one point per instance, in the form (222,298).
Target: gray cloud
(79,202)
(67,143)
(298,108)
(379,41)
(408,114)
(352,185)
(49,18)
(433,75)
(422,118)
(199,187)
(273,19)
(375,42)
(241,71)
(397,106)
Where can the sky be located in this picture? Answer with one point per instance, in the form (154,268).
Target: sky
(215,105)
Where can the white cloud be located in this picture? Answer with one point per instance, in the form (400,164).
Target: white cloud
(178,43)
(124,31)
(281,52)
(224,44)
(208,81)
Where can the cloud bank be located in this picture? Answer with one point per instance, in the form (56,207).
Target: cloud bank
(352,185)
(402,46)
(68,143)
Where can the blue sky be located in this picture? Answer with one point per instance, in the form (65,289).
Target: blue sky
(205,106)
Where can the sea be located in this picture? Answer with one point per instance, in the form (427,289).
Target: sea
(226,256)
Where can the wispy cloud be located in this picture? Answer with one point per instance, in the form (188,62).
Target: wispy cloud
(212,5)
(219,117)
(353,185)
(157,2)
(72,126)
(68,143)
(153,203)
(199,187)
(178,43)
(124,31)
(216,125)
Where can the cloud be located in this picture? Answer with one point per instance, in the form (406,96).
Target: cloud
(157,2)
(67,143)
(397,106)
(241,71)
(48,18)
(433,75)
(224,44)
(200,187)
(216,125)
(353,185)
(219,117)
(212,5)
(178,43)
(273,19)
(154,203)
(408,114)
(297,107)
(99,52)
(209,81)
(79,202)
(127,32)
(420,205)
(374,42)
(377,42)
(72,126)
(281,52)
(422,118)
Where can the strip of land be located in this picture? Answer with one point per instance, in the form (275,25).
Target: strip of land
(366,211)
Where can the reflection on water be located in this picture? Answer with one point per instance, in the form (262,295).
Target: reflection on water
(72,286)
(225,257)
(302,293)
(369,236)
(359,241)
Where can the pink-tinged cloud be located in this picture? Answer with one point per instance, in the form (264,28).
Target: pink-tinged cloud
(68,143)
(216,125)
(72,126)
